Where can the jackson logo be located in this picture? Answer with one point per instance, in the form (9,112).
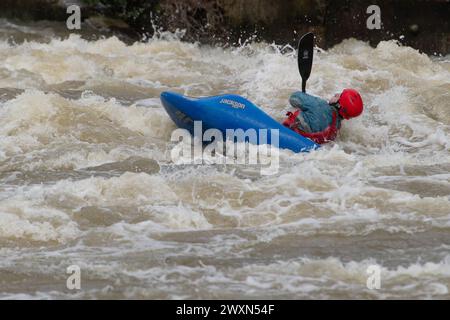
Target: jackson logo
(234,104)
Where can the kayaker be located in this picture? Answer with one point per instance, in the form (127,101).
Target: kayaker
(320,120)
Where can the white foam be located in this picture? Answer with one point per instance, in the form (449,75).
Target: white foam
(44,134)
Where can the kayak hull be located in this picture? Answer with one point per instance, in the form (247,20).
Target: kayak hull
(228,113)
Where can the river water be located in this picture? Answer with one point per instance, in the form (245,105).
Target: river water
(87,179)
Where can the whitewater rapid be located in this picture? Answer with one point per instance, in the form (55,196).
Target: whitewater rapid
(86,176)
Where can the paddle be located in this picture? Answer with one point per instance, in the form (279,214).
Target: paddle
(305,57)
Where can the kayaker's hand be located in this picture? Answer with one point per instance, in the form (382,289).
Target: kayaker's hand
(335,98)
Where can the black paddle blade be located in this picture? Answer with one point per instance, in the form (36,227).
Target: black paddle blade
(305,57)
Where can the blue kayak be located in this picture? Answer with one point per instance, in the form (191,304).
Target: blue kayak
(231,112)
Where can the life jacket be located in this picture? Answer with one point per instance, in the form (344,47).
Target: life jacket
(328,134)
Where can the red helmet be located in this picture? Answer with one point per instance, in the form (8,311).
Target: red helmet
(351,104)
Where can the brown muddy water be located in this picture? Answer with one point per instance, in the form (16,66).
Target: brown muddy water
(87,179)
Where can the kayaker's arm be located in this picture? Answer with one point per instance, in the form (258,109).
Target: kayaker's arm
(295,101)
(302,101)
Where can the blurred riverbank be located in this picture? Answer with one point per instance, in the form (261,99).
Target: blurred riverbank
(420,24)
